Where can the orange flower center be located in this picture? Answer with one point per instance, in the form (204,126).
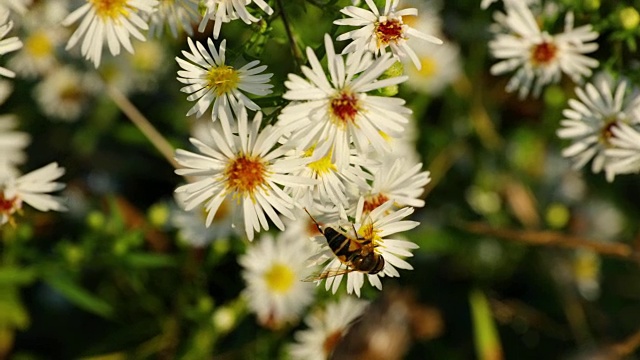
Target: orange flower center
(388,31)
(373,201)
(543,53)
(344,108)
(606,133)
(245,174)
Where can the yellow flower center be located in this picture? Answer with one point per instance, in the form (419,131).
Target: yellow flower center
(279,278)
(245,174)
(429,67)
(388,31)
(322,166)
(343,108)
(222,79)
(110,9)
(38,44)
(367,232)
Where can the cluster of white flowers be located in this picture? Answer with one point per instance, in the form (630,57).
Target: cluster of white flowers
(538,57)
(337,149)
(603,122)
(16,189)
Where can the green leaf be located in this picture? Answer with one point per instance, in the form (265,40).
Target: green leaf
(78,295)
(12,313)
(149,260)
(486,337)
(16,276)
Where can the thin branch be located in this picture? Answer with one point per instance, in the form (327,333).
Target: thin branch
(626,347)
(552,238)
(297,55)
(140,121)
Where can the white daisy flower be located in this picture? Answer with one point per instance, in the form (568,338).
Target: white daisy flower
(397,180)
(37,57)
(273,270)
(7,45)
(12,145)
(65,93)
(113,22)
(538,57)
(223,11)
(210,80)
(373,227)
(381,30)
(330,115)
(176,15)
(623,156)
(33,189)
(325,329)
(589,120)
(248,169)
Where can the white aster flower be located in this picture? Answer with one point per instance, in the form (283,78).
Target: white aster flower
(398,180)
(65,93)
(110,21)
(325,329)
(223,11)
(589,120)
(7,45)
(331,114)
(538,57)
(177,15)
(12,145)
(273,270)
(381,30)
(248,169)
(623,156)
(37,57)
(210,80)
(374,227)
(33,189)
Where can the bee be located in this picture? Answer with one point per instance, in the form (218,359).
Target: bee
(357,254)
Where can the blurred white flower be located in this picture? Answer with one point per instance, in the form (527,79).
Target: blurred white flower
(65,93)
(590,119)
(192,227)
(623,156)
(32,189)
(110,21)
(223,11)
(12,145)
(177,15)
(537,57)
(7,45)
(42,36)
(273,270)
(325,329)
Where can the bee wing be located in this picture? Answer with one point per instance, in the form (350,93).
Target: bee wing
(327,274)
